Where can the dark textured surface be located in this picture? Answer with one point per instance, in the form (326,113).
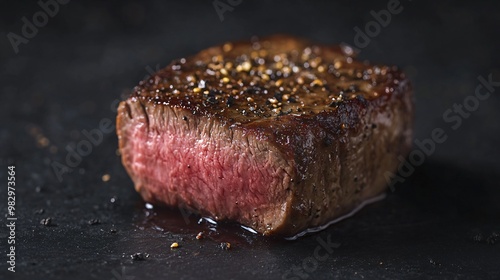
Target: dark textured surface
(439,223)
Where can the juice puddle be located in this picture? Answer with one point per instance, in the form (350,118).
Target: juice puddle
(182,222)
(177,221)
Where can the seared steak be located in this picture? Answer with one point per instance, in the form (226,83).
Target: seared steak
(278,134)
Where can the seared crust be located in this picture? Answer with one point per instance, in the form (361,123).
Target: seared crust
(339,122)
(244,82)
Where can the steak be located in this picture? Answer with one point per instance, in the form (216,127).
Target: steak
(278,134)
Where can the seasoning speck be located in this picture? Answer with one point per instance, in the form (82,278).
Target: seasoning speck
(174,245)
(139,256)
(227,47)
(225,245)
(42,142)
(46,222)
(433,262)
(199,235)
(94,222)
(317,82)
(248,82)
(246,66)
(478,237)
(106,177)
(493,238)
(272,100)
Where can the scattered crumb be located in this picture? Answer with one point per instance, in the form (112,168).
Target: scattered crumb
(174,245)
(139,256)
(493,238)
(483,237)
(94,222)
(225,245)
(433,262)
(41,140)
(46,222)
(478,237)
(199,235)
(106,177)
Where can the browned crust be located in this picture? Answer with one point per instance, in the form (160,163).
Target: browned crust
(314,77)
(350,153)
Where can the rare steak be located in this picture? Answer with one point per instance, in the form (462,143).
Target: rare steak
(278,134)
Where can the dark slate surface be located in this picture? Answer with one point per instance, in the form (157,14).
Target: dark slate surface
(441,222)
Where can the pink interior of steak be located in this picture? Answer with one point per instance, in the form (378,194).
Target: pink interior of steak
(178,159)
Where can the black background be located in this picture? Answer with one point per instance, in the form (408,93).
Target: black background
(439,223)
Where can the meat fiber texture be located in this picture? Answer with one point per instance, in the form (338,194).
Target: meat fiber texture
(278,134)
